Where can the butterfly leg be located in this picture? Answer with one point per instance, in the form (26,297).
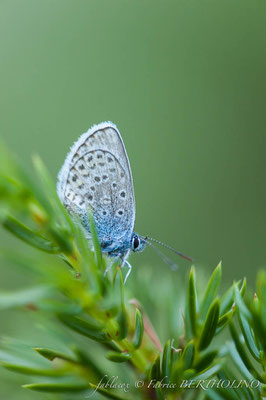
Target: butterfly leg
(128,272)
(111,264)
(125,262)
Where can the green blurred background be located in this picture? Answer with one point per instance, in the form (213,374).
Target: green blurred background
(185,82)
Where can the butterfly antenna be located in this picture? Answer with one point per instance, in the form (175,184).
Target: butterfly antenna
(171,264)
(168,247)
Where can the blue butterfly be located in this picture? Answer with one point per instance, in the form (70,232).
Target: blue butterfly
(96,176)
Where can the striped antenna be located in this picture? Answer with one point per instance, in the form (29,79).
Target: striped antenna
(147,238)
(167,260)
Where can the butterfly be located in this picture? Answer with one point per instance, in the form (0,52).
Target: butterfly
(96,176)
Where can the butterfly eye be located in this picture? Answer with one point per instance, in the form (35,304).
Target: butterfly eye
(135,242)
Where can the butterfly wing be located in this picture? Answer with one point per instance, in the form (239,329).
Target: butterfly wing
(96,175)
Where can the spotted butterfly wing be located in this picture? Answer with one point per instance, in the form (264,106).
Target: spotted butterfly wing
(96,175)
